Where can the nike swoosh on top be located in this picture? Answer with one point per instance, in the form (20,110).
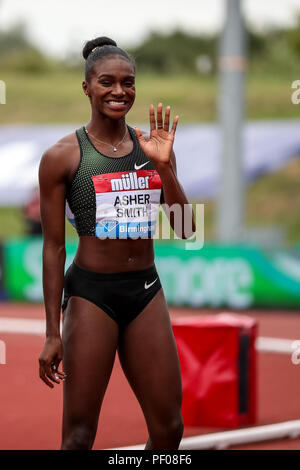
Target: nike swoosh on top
(137,167)
(151,284)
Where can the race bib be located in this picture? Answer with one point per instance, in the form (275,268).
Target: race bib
(127,203)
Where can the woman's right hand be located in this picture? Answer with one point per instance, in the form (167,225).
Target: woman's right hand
(49,361)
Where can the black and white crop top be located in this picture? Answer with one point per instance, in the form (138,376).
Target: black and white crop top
(113,197)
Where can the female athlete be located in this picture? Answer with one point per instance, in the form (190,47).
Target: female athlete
(109,180)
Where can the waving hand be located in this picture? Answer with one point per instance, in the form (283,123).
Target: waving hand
(159,146)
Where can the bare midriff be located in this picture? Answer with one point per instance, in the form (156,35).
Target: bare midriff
(115,255)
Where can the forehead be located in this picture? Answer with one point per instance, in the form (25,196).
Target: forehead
(113,65)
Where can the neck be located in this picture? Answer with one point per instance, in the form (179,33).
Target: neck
(106,129)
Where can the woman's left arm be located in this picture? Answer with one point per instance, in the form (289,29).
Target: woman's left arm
(159,149)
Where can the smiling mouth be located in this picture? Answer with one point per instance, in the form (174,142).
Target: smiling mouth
(116,103)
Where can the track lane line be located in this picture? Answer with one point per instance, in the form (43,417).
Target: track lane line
(34,326)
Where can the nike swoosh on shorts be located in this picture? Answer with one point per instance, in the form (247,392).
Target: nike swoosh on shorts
(137,167)
(151,284)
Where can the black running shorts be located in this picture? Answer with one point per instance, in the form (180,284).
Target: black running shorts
(121,295)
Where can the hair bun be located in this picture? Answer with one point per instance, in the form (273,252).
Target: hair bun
(98,42)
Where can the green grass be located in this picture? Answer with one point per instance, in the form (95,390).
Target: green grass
(273,201)
(13,224)
(57,97)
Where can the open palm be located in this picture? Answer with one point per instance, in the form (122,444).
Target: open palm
(158,147)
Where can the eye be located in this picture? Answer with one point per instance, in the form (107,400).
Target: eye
(129,83)
(105,83)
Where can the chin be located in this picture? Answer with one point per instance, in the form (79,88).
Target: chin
(116,115)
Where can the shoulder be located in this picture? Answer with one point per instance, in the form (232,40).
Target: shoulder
(61,147)
(58,157)
(60,152)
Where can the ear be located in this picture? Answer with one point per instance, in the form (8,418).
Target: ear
(85,87)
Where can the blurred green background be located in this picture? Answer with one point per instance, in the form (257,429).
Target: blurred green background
(177,69)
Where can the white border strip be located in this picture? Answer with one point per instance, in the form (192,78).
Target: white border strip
(222,440)
(275,345)
(38,327)
(22,326)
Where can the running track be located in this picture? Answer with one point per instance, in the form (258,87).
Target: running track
(31,412)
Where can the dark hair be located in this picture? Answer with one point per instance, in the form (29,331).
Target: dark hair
(99,48)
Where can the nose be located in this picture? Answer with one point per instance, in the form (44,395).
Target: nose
(118,90)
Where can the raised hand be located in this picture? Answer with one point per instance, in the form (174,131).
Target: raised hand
(158,146)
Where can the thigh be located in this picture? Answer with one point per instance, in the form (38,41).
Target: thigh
(148,355)
(90,339)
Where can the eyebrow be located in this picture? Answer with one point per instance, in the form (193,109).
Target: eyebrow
(113,76)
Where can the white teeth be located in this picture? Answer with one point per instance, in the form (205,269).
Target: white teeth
(117,102)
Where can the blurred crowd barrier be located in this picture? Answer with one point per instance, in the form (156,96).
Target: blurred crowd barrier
(236,276)
(268,146)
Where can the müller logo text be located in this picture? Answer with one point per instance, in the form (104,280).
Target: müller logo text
(130,181)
